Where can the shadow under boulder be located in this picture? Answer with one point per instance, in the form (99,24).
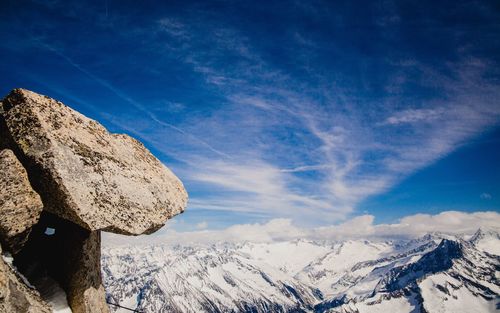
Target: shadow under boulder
(61,253)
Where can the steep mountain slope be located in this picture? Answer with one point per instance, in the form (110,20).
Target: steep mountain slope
(435,273)
(215,279)
(453,277)
(328,272)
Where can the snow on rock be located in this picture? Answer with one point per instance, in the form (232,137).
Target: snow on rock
(455,298)
(486,241)
(328,272)
(434,273)
(55,296)
(15,294)
(290,257)
(197,280)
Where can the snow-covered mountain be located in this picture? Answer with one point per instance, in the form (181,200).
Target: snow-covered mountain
(435,273)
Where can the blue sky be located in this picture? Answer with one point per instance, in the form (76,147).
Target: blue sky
(316,112)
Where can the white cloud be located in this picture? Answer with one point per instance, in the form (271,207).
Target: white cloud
(173,27)
(414,115)
(276,229)
(451,222)
(202,225)
(287,147)
(254,187)
(360,227)
(267,136)
(485,196)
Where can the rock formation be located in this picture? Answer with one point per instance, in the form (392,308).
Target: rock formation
(63,179)
(16,296)
(20,206)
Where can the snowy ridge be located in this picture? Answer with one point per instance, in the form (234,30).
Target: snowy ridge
(435,273)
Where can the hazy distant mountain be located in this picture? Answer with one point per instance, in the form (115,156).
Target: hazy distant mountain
(435,273)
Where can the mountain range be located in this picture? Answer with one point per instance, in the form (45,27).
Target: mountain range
(434,273)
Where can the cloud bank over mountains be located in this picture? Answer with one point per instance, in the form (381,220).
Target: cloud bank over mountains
(360,227)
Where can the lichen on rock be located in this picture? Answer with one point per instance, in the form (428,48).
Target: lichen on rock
(63,179)
(20,205)
(99,180)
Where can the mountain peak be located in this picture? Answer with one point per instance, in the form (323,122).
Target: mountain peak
(334,277)
(482,234)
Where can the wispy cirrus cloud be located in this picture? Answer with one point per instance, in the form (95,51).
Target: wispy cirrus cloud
(414,116)
(273,127)
(485,196)
(291,121)
(325,131)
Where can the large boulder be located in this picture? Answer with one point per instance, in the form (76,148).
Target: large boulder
(85,174)
(20,206)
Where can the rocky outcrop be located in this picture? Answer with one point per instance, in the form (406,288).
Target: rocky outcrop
(64,178)
(98,180)
(20,205)
(84,270)
(15,295)
(70,256)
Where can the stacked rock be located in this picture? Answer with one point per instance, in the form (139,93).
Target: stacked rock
(63,179)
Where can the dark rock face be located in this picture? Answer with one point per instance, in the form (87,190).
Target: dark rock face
(63,179)
(440,259)
(70,255)
(15,296)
